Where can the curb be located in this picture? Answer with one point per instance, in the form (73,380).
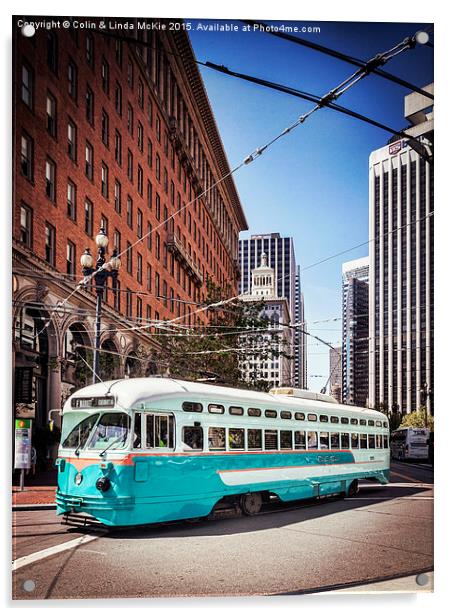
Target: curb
(38,507)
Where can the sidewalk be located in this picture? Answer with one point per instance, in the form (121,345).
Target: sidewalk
(38,490)
(34,495)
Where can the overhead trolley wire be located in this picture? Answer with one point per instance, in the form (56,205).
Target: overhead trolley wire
(342,56)
(363,71)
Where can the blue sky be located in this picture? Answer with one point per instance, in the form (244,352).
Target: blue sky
(313,183)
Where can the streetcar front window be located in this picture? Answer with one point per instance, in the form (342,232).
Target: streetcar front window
(77,437)
(111,432)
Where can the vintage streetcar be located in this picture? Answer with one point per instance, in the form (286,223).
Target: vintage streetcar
(146,450)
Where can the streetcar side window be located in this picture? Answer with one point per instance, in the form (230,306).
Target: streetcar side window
(137,431)
(323,418)
(345,440)
(312,417)
(378,441)
(235,410)
(371,422)
(362,422)
(334,419)
(192,438)
(272,414)
(379,424)
(218,409)
(236,438)
(344,420)
(217,439)
(271,439)
(300,439)
(371,441)
(354,421)
(334,440)
(192,407)
(363,441)
(159,431)
(254,412)
(254,439)
(385,441)
(285,439)
(286,415)
(355,440)
(324,440)
(312,440)
(300,416)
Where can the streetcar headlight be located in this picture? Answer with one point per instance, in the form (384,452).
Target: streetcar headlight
(103,484)
(78,479)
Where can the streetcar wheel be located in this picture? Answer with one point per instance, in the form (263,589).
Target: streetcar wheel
(251,503)
(353,488)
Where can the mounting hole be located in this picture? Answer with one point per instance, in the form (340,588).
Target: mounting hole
(422,579)
(29,585)
(28,30)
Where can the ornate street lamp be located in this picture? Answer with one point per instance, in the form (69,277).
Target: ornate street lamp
(100,273)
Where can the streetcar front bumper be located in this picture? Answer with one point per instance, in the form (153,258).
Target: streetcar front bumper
(69,502)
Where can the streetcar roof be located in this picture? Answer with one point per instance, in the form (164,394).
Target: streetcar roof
(131,393)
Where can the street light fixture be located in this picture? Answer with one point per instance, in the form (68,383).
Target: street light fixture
(100,273)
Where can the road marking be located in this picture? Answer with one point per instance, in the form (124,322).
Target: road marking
(403,476)
(62,547)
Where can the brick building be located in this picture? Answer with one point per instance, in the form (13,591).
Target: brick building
(112,131)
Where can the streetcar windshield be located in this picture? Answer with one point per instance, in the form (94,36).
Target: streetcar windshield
(110,432)
(78,436)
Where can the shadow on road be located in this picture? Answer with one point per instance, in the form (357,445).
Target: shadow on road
(276,516)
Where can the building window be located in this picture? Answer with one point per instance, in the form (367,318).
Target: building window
(72,79)
(26,156)
(89,105)
(130,119)
(50,179)
(71,200)
(51,115)
(158,128)
(26,225)
(157,167)
(105,76)
(157,286)
(118,52)
(150,155)
(157,206)
(141,94)
(139,308)
(140,223)
(117,240)
(104,224)
(140,136)
(90,50)
(70,258)
(140,180)
(72,140)
(129,303)
(27,86)
(149,194)
(129,211)
(139,268)
(52,51)
(130,73)
(118,147)
(89,160)
(118,99)
(117,197)
(104,180)
(149,112)
(50,244)
(165,180)
(105,127)
(129,264)
(130,165)
(88,217)
(148,277)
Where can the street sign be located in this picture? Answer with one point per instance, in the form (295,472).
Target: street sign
(22,444)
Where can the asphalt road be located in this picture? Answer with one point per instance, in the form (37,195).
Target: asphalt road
(384,532)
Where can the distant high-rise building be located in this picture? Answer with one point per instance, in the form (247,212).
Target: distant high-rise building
(401,265)
(336,373)
(355,332)
(277,370)
(281,257)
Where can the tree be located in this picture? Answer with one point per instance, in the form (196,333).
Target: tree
(213,352)
(418,419)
